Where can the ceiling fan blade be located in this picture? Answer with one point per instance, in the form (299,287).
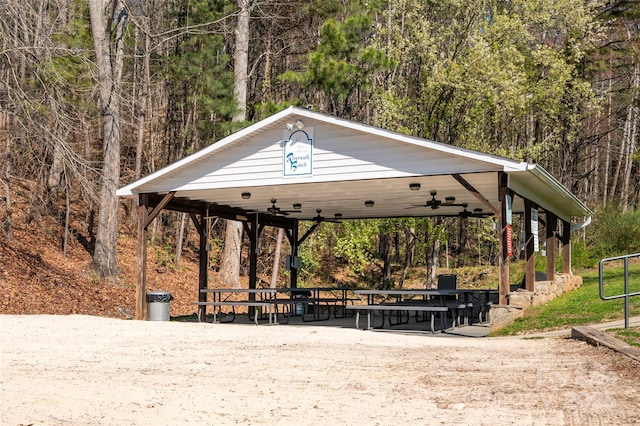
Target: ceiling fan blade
(275,210)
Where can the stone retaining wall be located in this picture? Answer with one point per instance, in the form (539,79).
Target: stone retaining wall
(521,299)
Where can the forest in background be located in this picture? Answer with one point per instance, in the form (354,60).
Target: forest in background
(97,93)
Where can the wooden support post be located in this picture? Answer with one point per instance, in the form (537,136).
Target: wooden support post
(294,254)
(552,222)
(566,247)
(529,253)
(253,235)
(141,285)
(202,226)
(253,232)
(504,258)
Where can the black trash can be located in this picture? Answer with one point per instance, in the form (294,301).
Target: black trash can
(301,308)
(158,305)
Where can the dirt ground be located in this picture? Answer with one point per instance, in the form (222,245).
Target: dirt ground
(85,370)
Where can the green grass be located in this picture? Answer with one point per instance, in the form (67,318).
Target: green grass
(630,335)
(582,306)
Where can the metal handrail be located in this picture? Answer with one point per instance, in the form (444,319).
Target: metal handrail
(626,293)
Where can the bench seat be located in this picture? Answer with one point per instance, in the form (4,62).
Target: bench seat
(270,307)
(397,307)
(320,305)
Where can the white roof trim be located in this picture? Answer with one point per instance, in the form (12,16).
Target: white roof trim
(128,190)
(528,180)
(506,164)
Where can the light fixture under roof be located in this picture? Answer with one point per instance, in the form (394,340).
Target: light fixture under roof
(246,195)
(297,206)
(337,215)
(369,203)
(449,200)
(414,186)
(299,124)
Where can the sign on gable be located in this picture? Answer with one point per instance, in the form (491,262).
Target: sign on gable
(297,152)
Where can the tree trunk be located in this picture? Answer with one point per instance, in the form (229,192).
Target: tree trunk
(276,259)
(607,152)
(241,59)
(8,224)
(230,263)
(142,103)
(107,18)
(385,253)
(180,239)
(57,167)
(230,268)
(629,150)
(142,110)
(433,252)
(408,256)
(67,213)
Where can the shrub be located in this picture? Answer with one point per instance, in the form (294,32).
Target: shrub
(615,233)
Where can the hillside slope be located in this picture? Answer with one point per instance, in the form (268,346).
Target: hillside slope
(36,278)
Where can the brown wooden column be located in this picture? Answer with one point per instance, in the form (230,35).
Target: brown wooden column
(566,247)
(529,253)
(144,219)
(141,285)
(504,258)
(202,226)
(253,232)
(552,223)
(294,254)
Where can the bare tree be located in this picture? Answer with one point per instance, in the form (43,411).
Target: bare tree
(108,22)
(230,268)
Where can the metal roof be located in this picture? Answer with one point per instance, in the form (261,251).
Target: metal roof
(344,166)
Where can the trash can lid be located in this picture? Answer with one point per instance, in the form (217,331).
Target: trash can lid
(159,296)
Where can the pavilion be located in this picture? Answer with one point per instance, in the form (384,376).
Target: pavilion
(301,165)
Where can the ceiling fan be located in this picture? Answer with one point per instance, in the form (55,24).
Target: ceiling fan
(275,210)
(434,203)
(319,218)
(465,214)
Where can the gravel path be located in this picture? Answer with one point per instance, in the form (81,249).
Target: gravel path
(72,370)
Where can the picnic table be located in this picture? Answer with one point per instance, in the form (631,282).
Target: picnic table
(311,304)
(316,303)
(262,298)
(397,304)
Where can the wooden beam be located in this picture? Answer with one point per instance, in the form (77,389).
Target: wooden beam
(254,235)
(566,247)
(196,223)
(159,207)
(462,181)
(529,253)
(203,263)
(552,222)
(294,254)
(141,285)
(504,259)
(309,232)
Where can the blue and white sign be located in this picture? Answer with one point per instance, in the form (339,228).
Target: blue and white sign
(297,151)
(509,200)
(534,229)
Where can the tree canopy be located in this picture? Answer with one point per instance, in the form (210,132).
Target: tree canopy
(549,81)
